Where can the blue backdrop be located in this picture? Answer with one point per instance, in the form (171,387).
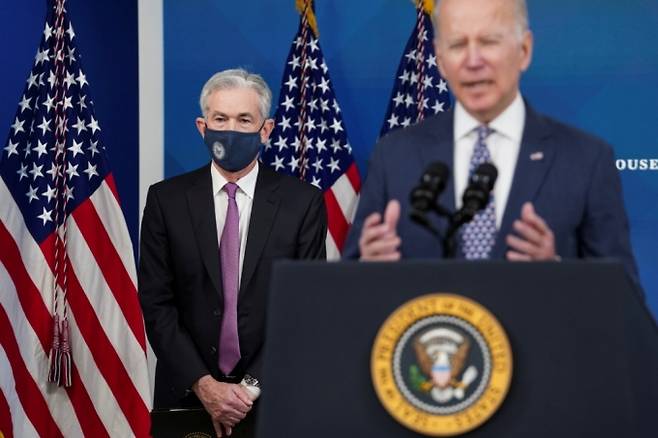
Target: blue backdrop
(595,66)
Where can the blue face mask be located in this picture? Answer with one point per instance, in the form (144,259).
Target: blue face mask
(233,150)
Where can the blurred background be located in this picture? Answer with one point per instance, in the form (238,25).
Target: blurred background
(595,66)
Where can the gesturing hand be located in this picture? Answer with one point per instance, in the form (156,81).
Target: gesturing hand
(535,240)
(379,239)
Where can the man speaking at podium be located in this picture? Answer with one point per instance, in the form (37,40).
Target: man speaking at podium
(557,195)
(208,241)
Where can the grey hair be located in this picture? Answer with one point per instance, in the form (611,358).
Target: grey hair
(521,9)
(237,78)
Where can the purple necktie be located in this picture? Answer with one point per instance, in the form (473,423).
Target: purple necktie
(229,251)
(479,235)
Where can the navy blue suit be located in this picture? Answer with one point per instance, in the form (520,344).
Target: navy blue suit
(574,186)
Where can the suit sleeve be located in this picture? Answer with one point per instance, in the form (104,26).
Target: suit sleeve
(311,243)
(605,230)
(170,340)
(373,198)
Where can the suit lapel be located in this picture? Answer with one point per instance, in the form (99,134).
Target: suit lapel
(202,209)
(263,212)
(441,148)
(535,158)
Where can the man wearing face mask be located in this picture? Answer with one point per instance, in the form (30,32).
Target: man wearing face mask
(208,240)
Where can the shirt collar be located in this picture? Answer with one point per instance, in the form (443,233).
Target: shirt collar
(246,184)
(509,123)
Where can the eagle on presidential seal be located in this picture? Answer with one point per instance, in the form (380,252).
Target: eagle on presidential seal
(441,354)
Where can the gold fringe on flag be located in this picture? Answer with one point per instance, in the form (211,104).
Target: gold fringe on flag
(306,7)
(428,5)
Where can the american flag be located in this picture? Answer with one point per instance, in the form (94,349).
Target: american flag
(72,342)
(309,140)
(419,90)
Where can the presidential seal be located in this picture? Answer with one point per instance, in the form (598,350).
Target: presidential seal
(218,150)
(441,364)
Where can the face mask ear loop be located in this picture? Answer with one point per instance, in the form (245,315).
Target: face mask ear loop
(260,129)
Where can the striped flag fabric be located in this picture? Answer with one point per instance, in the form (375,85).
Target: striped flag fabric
(309,140)
(419,90)
(72,341)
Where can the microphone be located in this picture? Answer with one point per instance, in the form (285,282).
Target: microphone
(432,183)
(477,193)
(423,197)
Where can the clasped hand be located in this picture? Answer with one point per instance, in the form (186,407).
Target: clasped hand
(227,403)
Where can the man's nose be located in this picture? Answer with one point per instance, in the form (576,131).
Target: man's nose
(231,124)
(474,56)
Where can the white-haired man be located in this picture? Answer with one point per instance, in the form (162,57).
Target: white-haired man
(208,240)
(557,194)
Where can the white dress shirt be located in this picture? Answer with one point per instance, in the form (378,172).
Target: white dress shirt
(244,197)
(503,144)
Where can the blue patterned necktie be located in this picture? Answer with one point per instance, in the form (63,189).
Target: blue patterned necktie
(229,251)
(479,235)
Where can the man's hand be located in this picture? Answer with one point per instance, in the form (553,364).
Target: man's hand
(226,403)
(536,241)
(379,240)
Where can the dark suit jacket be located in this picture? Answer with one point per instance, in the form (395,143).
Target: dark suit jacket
(575,187)
(180,285)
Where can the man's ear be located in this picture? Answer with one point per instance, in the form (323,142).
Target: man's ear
(439,61)
(266,130)
(201,125)
(526,50)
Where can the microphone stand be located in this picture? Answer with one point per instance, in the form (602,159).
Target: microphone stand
(455,221)
(448,240)
(475,197)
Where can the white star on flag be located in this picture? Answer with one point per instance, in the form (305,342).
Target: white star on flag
(68,263)
(417,81)
(308,98)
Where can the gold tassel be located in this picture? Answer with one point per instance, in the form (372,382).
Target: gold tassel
(428,5)
(306,6)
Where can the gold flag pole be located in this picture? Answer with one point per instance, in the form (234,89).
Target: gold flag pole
(306,7)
